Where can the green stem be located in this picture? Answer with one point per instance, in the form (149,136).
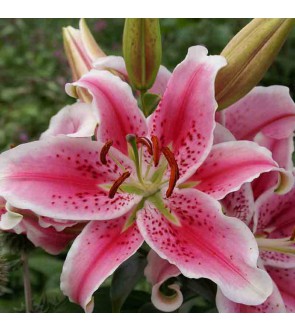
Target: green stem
(142,92)
(27,283)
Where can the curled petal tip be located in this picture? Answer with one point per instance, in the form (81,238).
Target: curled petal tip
(164,302)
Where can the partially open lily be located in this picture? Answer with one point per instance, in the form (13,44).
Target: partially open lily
(81,50)
(133,183)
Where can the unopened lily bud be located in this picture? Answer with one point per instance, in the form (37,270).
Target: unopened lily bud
(81,50)
(249,55)
(142,50)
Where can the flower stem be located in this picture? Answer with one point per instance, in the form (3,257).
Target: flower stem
(142,103)
(27,283)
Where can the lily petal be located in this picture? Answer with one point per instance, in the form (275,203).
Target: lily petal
(240,204)
(273,304)
(49,239)
(185,116)
(157,272)
(58,225)
(10,218)
(60,177)
(95,255)
(202,246)
(117,63)
(161,81)
(268,110)
(277,259)
(76,120)
(222,134)
(114,106)
(275,212)
(284,279)
(231,164)
(274,218)
(282,150)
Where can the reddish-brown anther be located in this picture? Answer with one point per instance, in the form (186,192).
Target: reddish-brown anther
(118,183)
(104,151)
(174,174)
(146,142)
(156,150)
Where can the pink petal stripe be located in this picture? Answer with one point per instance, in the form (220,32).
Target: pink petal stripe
(76,120)
(115,107)
(185,116)
(59,178)
(95,255)
(268,110)
(203,245)
(231,164)
(157,272)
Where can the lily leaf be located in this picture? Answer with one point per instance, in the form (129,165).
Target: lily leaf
(130,271)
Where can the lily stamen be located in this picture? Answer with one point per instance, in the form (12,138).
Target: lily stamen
(118,183)
(156,150)
(104,151)
(146,142)
(174,173)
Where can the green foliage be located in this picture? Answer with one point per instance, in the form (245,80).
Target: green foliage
(125,278)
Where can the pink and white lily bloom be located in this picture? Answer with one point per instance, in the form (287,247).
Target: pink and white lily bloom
(132,183)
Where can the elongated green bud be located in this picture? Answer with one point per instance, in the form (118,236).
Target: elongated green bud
(142,50)
(249,55)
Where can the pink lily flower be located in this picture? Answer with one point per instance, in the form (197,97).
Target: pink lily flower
(269,215)
(137,189)
(265,115)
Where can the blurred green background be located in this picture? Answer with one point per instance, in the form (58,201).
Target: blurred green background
(34,70)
